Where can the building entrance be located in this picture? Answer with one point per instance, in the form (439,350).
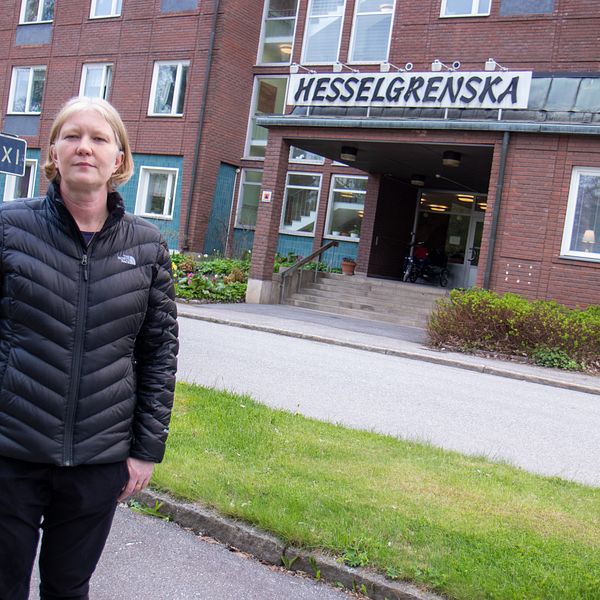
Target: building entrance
(450,224)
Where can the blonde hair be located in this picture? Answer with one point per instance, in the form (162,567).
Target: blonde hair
(108,111)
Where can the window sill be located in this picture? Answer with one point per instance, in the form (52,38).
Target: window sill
(153,216)
(165,116)
(463,16)
(28,114)
(36,22)
(591,257)
(296,233)
(95,18)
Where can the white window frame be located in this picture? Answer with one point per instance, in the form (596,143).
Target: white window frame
(474,10)
(107,74)
(263,34)
(565,250)
(166,63)
(332,190)
(13,82)
(38,19)
(10,182)
(282,227)
(305,37)
(142,192)
(304,161)
(353,37)
(252,114)
(240,203)
(116,8)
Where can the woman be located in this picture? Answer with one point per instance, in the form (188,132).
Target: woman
(88,345)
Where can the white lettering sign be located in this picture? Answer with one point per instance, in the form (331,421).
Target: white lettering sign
(508,89)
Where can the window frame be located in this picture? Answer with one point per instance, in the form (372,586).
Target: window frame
(106,80)
(240,204)
(474,10)
(328,217)
(567,237)
(353,38)
(263,30)
(252,115)
(282,227)
(141,197)
(176,96)
(13,81)
(10,182)
(304,61)
(40,11)
(112,15)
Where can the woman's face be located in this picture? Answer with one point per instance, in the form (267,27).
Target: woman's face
(86,153)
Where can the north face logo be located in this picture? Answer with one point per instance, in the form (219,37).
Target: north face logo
(126,259)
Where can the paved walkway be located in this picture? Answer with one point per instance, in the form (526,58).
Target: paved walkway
(386,338)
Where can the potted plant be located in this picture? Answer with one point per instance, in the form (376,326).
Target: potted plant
(355,231)
(348,265)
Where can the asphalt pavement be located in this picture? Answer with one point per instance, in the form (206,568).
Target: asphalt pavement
(373,336)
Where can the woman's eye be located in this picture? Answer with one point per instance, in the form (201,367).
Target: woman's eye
(71,136)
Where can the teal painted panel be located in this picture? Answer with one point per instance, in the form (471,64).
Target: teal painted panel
(217,232)
(299,245)
(168,227)
(243,240)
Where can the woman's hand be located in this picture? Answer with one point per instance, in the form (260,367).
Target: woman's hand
(140,472)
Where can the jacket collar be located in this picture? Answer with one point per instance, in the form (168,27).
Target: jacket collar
(114,201)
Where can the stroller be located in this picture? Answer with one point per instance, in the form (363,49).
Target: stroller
(429,265)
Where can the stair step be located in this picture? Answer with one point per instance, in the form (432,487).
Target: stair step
(365,302)
(396,319)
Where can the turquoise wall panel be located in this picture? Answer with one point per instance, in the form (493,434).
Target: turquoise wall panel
(220,213)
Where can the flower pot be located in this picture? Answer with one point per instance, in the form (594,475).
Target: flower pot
(348,267)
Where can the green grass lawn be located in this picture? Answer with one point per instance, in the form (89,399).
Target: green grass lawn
(458,525)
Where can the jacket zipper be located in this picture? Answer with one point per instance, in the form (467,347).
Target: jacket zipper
(77,359)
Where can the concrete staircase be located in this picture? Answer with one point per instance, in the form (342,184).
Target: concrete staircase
(369,298)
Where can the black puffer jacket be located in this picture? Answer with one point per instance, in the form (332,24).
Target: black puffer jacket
(88,336)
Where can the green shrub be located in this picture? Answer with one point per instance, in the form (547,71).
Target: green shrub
(477,319)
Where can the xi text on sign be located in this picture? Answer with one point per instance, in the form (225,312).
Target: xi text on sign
(12,155)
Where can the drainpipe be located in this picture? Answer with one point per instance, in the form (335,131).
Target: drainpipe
(496,212)
(205,87)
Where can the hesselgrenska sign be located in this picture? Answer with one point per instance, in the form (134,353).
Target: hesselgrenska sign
(13,151)
(477,90)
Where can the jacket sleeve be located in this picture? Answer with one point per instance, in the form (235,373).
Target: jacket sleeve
(156,350)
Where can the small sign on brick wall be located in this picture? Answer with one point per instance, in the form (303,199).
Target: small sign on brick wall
(266,196)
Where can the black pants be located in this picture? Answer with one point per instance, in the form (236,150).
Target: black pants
(74,506)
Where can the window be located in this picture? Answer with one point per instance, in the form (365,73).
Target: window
(21,187)
(105,8)
(278,31)
(297,155)
(323,31)
(27,90)
(346,206)
(465,8)
(156,192)
(250,186)
(268,98)
(96,80)
(371,31)
(169,82)
(300,202)
(36,11)
(581,235)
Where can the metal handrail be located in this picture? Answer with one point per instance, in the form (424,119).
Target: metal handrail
(297,265)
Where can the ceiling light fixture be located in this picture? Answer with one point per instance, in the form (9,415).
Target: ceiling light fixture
(417,179)
(465,198)
(348,153)
(451,158)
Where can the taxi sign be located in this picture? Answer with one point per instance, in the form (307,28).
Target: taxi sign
(12,154)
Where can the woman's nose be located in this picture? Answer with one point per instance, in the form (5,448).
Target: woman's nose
(84,146)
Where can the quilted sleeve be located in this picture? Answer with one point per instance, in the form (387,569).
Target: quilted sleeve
(156,364)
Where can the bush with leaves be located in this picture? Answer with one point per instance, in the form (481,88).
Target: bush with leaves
(546,332)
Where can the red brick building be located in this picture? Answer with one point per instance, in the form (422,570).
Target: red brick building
(283,124)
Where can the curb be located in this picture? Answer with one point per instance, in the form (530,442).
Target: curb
(439,360)
(270,549)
